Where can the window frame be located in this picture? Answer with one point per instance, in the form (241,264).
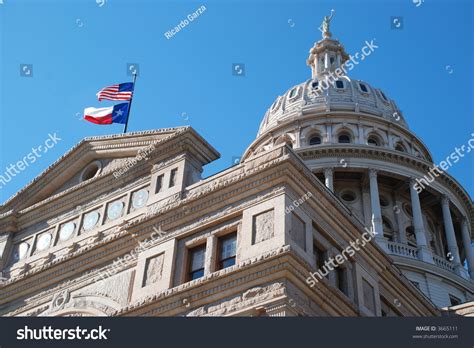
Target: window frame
(341,134)
(159,183)
(219,260)
(313,136)
(342,82)
(361,89)
(173,175)
(189,271)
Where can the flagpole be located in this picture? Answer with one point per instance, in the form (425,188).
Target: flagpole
(130,104)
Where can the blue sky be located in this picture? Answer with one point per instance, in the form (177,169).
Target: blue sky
(78,47)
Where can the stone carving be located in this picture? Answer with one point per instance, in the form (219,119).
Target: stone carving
(115,288)
(153,269)
(245,300)
(263,226)
(60,300)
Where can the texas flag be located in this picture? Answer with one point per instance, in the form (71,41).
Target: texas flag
(113,114)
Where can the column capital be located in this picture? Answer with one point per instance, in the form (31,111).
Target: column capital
(328,171)
(445,200)
(373,173)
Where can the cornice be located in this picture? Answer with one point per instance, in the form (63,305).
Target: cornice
(88,146)
(387,155)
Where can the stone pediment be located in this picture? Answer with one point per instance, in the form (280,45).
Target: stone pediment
(90,159)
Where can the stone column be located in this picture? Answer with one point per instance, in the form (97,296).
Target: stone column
(450,235)
(360,130)
(466,240)
(298,137)
(329,133)
(424,253)
(5,249)
(211,254)
(338,60)
(376,211)
(329,178)
(366,204)
(397,209)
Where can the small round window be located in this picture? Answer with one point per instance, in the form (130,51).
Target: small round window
(91,171)
(348,196)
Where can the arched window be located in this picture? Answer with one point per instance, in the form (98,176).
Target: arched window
(344,138)
(315,140)
(400,147)
(373,140)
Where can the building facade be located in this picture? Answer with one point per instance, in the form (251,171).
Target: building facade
(124,225)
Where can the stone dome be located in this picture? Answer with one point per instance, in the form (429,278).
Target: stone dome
(344,94)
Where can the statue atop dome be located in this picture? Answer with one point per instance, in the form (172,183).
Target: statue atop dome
(325,25)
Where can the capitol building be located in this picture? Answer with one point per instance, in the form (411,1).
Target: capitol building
(333,158)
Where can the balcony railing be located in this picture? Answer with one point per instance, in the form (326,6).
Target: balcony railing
(411,252)
(402,250)
(440,262)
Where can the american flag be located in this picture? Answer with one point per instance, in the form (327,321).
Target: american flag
(122,91)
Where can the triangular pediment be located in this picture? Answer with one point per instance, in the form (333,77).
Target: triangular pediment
(91,158)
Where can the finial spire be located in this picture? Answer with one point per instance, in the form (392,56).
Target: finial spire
(325,25)
(327,55)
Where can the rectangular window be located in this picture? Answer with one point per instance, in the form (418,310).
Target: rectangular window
(363,88)
(227,250)
(173,177)
(319,255)
(341,279)
(159,183)
(196,262)
(339,84)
